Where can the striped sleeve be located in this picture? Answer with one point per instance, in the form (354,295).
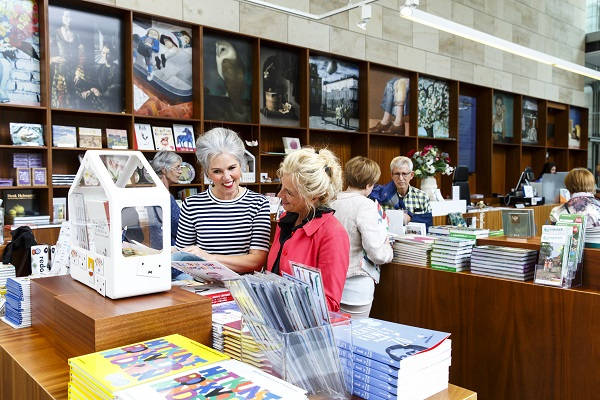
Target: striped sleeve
(185,229)
(261,227)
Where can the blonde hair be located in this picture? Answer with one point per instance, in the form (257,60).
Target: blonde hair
(360,172)
(580,180)
(399,161)
(315,174)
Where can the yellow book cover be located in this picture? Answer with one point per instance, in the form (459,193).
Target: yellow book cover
(130,365)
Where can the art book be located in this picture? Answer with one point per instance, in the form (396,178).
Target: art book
(224,379)
(206,270)
(116,139)
(163,138)
(554,254)
(90,138)
(64,136)
(143,137)
(139,363)
(184,137)
(26,134)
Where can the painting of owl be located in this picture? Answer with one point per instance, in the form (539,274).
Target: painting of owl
(231,70)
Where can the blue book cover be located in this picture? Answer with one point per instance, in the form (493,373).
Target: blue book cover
(358,377)
(367,362)
(363,394)
(382,394)
(389,343)
(64,136)
(380,375)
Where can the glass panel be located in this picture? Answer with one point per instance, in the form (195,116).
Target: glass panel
(141,230)
(126,171)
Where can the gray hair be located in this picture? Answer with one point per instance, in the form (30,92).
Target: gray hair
(399,161)
(219,141)
(164,160)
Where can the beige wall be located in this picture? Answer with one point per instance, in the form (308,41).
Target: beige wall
(552,26)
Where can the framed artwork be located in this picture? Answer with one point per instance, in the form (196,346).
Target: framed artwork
(467,131)
(502,118)
(24,134)
(162,69)
(333,94)
(279,89)
(86,70)
(19,52)
(389,102)
(434,104)
(290,144)
(529,121)
(574,128)
(227,78)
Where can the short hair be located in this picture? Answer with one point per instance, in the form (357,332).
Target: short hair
(315,174)
(164,160)
(399,161)
(219,141)
(580,180)
(360,172)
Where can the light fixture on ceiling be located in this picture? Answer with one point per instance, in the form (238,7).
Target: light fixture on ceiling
(316,17)
(365,16)
(410,12)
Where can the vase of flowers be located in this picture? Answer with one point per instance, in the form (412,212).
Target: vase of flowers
(428,163)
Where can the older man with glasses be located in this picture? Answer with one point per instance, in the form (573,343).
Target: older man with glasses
(400,195)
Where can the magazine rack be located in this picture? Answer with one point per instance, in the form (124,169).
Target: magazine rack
(120,215)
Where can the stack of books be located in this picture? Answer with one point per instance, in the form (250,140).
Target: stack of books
(451,253)
(396,361)
(216,293)
(6,271)
(18,302)
(503,262)
(33,220)
(412,249)
(592,237)
(459,231)
(62,179)
(239,344)
(223,313)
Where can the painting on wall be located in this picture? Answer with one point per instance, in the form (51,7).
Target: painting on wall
(574,128)
(162,69)
(227,78)
(529,121)
(467,131)
(389,96)
(434,105)
(86,71)
(19,52)
(333,94)
(502,118)
(279,99)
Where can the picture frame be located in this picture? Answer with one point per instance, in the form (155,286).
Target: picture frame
(574,141)
(502,118)
(143,137)
(184,138)
(389,102)
(23,134)
(163,138)
(529,121)
(38,176)
(90,138)
(64,136)
(116,139)
(434,108)
(23,176)
(279,87)
(290,144)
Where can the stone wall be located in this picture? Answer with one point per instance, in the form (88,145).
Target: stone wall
(552,26)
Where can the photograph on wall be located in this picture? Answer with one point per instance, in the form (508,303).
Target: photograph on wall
(19,52)
(467,131)
(434,105)
(529,121)
(389,96)
(574,128)
(86,69)
(162,69)
(502,118)
(333,94)
(279,91)
(227,78)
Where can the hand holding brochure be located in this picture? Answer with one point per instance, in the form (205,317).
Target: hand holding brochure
(206,270)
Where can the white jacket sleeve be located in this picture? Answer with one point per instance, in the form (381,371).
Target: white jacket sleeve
(373,234)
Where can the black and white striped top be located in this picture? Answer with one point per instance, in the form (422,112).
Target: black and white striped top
(227,227)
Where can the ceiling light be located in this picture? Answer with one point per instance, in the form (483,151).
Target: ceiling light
(365,16)
(308,15)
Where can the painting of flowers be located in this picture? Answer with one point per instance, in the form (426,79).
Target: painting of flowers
(433,104)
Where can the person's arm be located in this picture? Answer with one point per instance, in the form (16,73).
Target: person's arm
(333,261)
(373,234)
(243,263)
(185,230)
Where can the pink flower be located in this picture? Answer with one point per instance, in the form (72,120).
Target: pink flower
(410,153)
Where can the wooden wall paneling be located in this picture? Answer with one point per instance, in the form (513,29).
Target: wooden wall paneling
(383,148)
(577,158)
(534,157)
(340,143)
(517,118)
(542,122)
(559,156)
(359,146)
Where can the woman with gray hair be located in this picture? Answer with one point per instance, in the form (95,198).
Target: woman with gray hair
(225,223)
(167,166)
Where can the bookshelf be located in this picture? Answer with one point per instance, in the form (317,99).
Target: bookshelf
(498,165)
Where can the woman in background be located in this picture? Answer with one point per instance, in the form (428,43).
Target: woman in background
(580,183)
(308,233)
(548,168)
(167,165)
(369,245)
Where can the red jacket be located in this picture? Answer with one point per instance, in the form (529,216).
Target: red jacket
(321,243)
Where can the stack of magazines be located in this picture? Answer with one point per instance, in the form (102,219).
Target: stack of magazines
(413,249)
(6,271)
(459,231)
(451,253)
(223,313)
(503,262)
(18,302)
(397,361)
(239,344)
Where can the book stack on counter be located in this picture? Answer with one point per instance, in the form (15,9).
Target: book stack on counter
(503,262)
(451,253)
(459,231)
(33,220)
(394,361)
(167,368)
(592,237)
(216,293)
(62,179)
(239,344)
(6,271)
(412,249)
(18,302)
(223,313)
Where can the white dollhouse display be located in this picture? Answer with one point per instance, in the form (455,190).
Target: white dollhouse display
(120,218)
(248,170)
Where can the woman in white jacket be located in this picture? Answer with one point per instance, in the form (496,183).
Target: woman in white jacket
(369,245)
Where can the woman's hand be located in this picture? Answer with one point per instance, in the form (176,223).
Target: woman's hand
(197,251)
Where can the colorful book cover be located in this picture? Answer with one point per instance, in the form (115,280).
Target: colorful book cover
(19,203)
(123,367)
(554,253)
(163,138)
(143,137)
(184,137)
(220,380)
(26,134)
(64,136)
(90,138)
(116,139)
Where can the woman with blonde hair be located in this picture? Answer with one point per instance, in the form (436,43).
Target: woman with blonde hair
(308,233)
(580,183)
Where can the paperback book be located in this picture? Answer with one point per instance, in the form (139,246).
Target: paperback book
(143,137)
(116,139)
(553,262)
(64,136)
(184,138)
(90,138)
(23,134)
(518,223)
(163,138)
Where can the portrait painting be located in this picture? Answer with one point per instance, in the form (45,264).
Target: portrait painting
(529,121)
(502,117)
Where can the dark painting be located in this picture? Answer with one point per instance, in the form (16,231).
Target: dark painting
(279,89)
